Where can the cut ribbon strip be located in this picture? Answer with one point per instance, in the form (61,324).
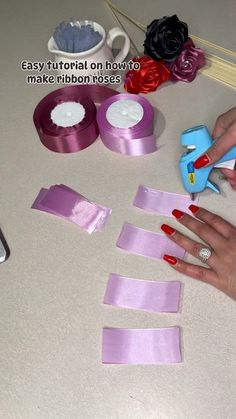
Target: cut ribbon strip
(66,121)
(161,202)
(142,294)
(141,346)
(70,205)
(147,243)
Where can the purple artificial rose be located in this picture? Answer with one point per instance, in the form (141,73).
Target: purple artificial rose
(187,64)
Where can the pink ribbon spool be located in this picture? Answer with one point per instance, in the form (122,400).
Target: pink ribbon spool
(136,140)
(76,137)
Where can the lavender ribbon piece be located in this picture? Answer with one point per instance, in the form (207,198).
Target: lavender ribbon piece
(142,294)
(141,346)
(161,202)
(70,205)
(147,243)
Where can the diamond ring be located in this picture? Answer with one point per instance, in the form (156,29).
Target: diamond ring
(204,254)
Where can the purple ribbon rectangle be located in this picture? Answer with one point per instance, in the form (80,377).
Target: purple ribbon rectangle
(161,202)
(70,205)
(147,243)
(141,294)
(141,346)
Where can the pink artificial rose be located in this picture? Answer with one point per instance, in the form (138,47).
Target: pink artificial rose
(187,64)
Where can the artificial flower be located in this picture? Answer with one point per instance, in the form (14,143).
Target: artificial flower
(165,38)
(147,79)
(187,64)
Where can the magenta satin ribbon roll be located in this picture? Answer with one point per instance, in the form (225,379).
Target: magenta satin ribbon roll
(141,294)
(141,346)
(161,202)
(147,243)
(72,206)
(136,140)
(79,136)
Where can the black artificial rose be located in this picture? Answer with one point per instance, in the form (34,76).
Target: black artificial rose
(165,38)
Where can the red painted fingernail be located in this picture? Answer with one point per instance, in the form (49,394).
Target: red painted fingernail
(201,162)
(177,214)
(170,259)
(193,208)
(167,229)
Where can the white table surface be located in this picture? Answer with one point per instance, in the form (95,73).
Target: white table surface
(52,286)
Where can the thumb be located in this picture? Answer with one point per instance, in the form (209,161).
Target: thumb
(218,149)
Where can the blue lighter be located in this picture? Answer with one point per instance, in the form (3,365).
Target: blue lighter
(197,140)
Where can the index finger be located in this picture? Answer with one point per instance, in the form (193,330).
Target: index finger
(218,149)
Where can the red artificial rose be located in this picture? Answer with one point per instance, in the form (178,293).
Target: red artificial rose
(147,79)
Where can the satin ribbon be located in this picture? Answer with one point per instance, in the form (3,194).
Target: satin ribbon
(137,140)
(70,205)
(80,136)
(161,202)
(141,346)
(147,243)
(141,294)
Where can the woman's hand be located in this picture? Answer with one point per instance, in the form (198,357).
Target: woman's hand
(225,135)
(219,236)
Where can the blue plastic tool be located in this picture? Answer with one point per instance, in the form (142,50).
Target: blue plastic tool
(197,140)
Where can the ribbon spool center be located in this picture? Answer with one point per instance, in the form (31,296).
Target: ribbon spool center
(67,114)
(124,113)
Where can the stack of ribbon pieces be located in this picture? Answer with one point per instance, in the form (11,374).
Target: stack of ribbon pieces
(63,202)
